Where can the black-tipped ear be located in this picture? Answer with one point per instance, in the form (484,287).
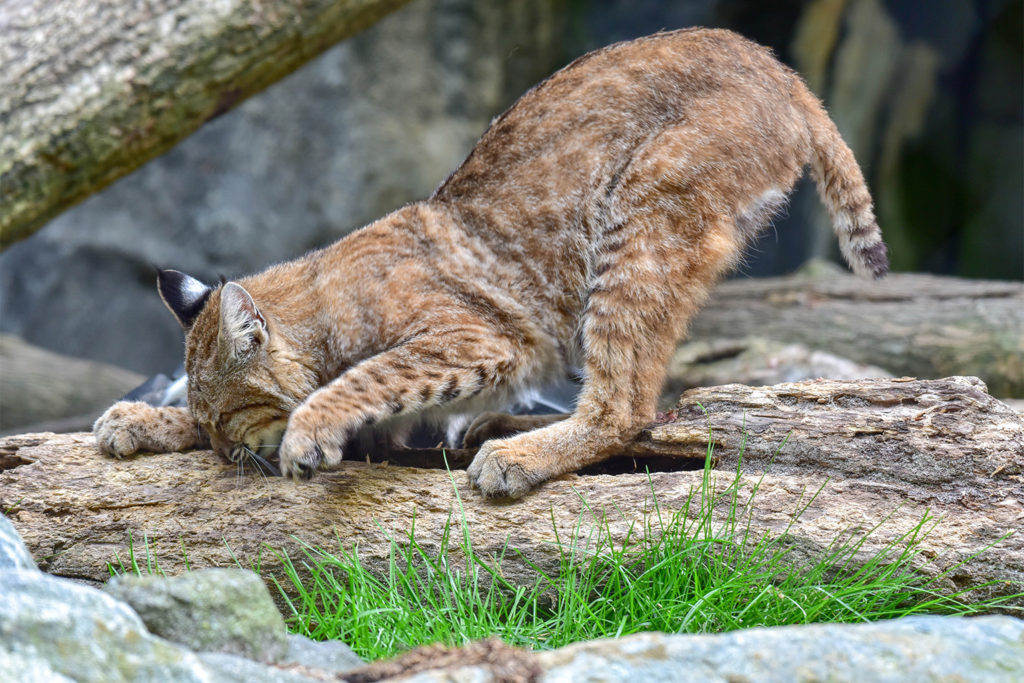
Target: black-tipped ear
(242,326)
(183,294)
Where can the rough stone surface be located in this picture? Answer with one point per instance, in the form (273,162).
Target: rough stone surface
(238,669)
(919,649)
(54,629)
(13,553)
(215,610)
(81,633)
(328,655)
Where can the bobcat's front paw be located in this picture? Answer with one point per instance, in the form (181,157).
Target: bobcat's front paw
(302,453)
(132,426)
(116,430)
(506,468)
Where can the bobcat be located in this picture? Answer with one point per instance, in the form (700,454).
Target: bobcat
(580,235)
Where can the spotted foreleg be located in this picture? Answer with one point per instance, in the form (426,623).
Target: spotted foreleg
(131,426)
(449,365)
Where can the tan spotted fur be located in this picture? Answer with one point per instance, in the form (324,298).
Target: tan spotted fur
(581,234)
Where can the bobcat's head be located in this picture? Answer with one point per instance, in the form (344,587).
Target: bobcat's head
(244,375)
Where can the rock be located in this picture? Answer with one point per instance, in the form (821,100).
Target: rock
(920,649)
(327,655)
(13,553)
(241,670)
(54,628)
(211,610)
(16,667)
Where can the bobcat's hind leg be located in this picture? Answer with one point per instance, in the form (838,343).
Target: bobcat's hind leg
(653,274)
(131,426)
(487,426)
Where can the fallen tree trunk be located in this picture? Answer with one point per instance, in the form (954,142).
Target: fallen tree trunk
(919,325)
(877,452)
(90,91)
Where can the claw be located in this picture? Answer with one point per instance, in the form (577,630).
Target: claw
(303,471)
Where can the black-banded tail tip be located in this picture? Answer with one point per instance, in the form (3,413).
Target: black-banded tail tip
(876,258)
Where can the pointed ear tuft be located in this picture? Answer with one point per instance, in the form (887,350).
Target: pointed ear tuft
(242,326)
(183,294)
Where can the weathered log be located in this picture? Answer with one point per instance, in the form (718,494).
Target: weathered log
(919,325)
(39,387)
(89,90)
(755,361)
(892,449)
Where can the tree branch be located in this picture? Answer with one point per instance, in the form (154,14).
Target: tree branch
(91,90)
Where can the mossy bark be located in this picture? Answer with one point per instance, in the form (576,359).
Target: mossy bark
(91,90)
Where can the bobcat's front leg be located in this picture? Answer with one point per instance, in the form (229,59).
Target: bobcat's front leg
(451,364)
(131,426)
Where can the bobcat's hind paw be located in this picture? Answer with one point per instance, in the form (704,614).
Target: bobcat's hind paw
(301,455)
(500,470)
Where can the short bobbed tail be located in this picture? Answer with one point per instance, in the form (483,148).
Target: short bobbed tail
(843,191)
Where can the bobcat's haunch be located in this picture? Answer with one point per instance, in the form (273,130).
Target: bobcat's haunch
(580,236)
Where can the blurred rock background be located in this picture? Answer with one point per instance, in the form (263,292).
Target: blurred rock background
(929,95)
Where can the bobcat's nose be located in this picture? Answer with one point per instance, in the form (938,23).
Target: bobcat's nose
(220,445)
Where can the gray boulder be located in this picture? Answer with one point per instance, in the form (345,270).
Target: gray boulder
(53,630)
(304,655)
(13,553)
(212,610)
(235,669)
(329,655)
(920,649)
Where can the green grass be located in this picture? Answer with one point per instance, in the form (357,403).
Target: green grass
(686,573)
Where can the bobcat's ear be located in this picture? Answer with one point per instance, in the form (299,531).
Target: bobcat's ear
(242,326)
(183,294)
